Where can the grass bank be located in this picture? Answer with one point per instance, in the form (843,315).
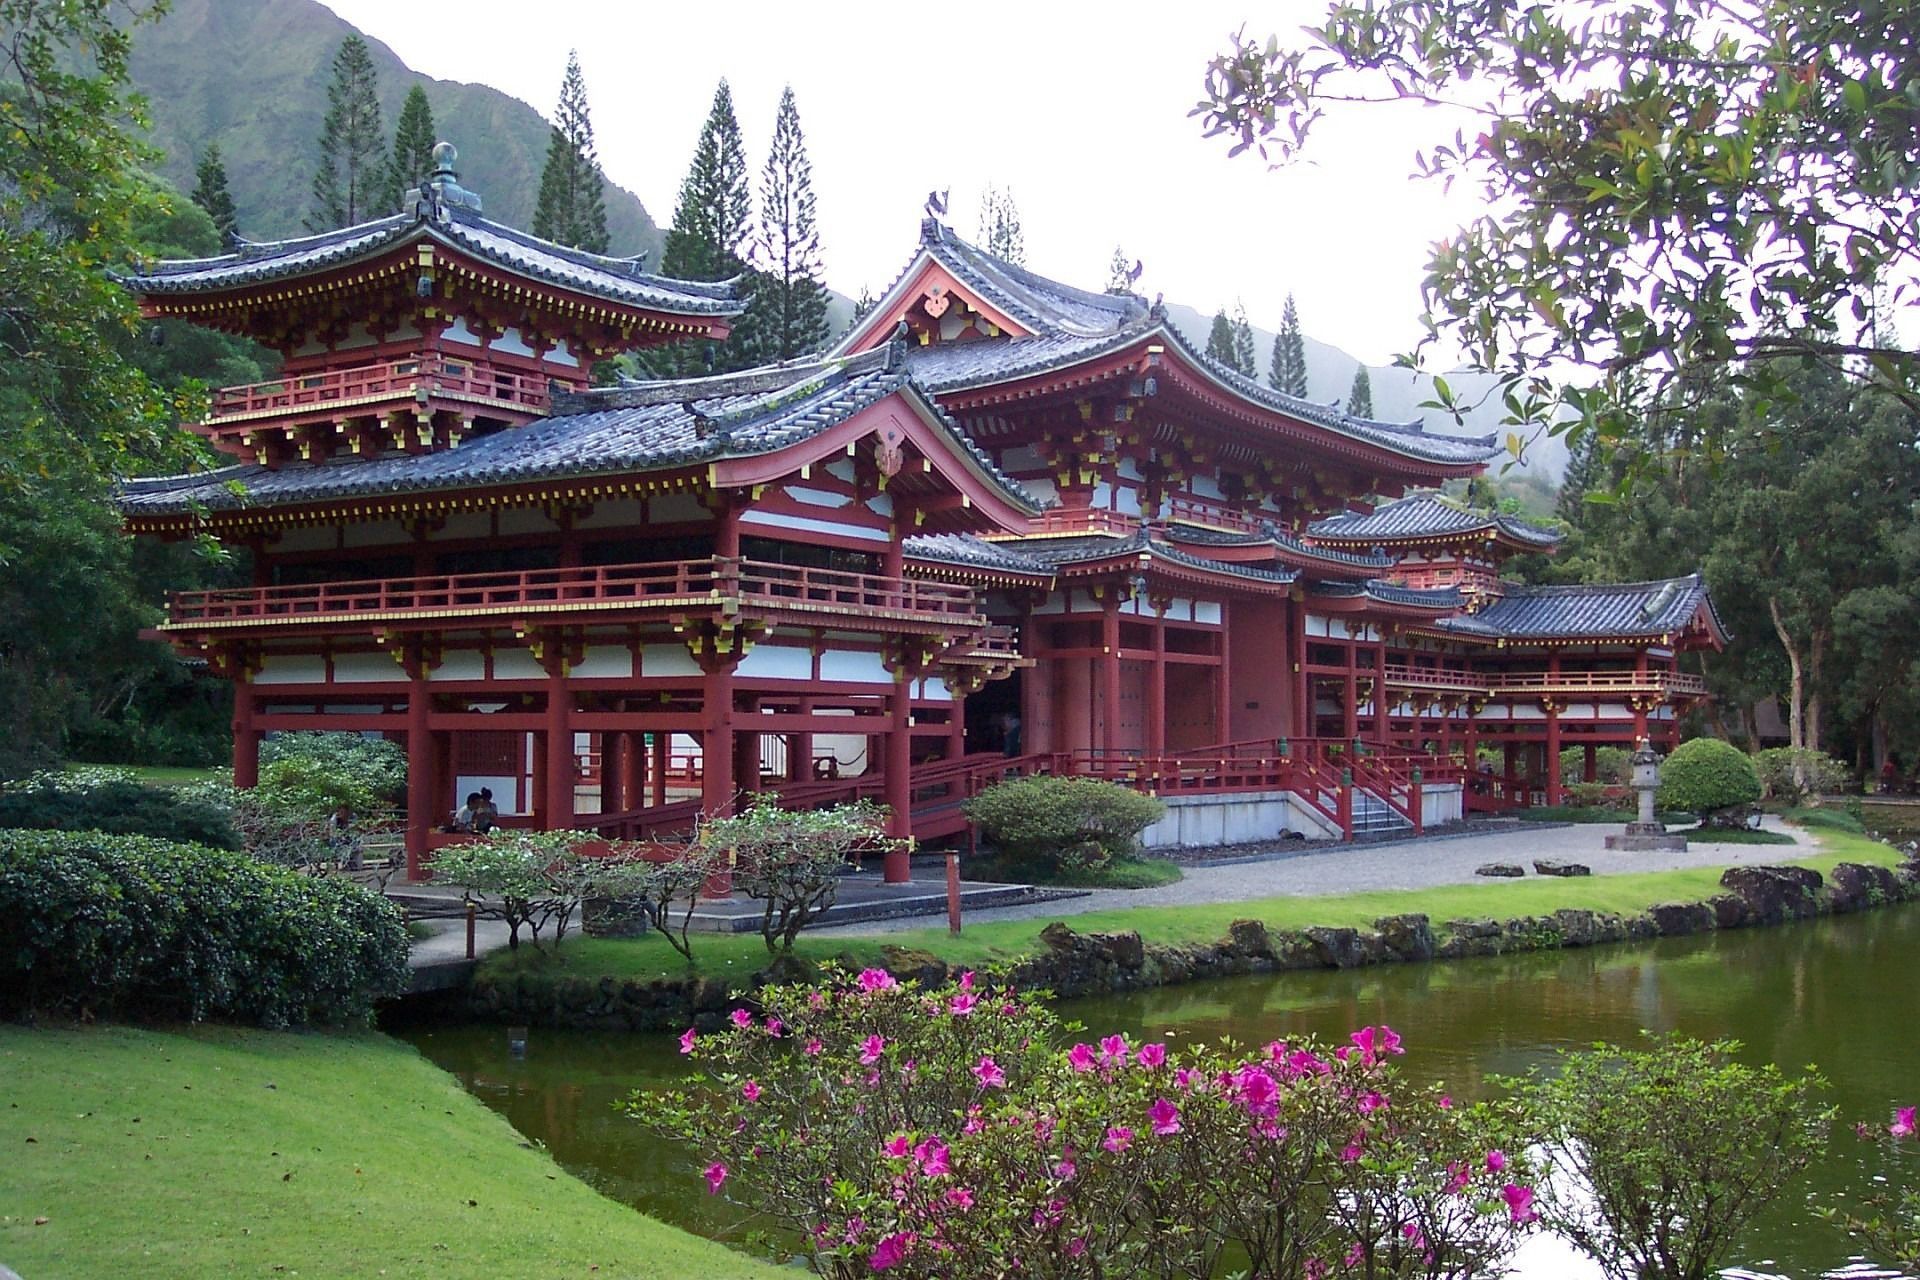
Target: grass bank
(226,1152)
(733,957)
(163,775)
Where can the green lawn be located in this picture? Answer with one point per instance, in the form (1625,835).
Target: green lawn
(1120,873)
(227,1153)
(736,956)
(164,775)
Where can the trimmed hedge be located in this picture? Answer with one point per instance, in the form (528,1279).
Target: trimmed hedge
(95,925)
(116,808)
(1708,777)
(1081,823)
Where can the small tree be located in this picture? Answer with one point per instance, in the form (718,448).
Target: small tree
(791,859)
(1288,371)
(210,191)
(1662,1156)
(537,878)
(1360,399)
(411,162)
(572,206)
(350,183)
(668,892)
(1078,822)
(1712,778)
(1796,774)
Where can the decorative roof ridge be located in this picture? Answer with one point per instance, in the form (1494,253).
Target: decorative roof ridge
(632,267)
(1125,307)
(161,484)
(1368,560)
(244,249)
(1529,589)
(757,381)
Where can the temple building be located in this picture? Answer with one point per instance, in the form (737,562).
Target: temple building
(1004,526)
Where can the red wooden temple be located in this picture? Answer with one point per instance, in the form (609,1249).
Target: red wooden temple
(1005,526)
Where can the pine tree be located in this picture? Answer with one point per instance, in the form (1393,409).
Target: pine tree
(1360,399)
(1220,339)
(1584,471)
(1288,372)
(1243,357)
(572,209)
(1119,272)
(710,225)
(411,163)
(210,192)
(352,177)
(1000,229)
(796,310)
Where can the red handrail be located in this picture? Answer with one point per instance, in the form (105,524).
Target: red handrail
(387,378)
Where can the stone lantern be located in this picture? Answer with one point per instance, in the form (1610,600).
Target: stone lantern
(1648,833)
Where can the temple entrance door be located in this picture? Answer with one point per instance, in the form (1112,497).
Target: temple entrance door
(987,713)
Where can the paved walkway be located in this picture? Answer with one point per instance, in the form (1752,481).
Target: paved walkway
(1326,870)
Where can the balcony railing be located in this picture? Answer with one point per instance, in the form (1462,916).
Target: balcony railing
(714,584)
(1061,520)
(392,379)
(1673,683)
(1185,510)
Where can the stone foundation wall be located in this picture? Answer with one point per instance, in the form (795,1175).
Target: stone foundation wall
(1076,964)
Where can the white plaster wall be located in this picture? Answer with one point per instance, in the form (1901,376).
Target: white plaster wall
(291,668)
(365,668)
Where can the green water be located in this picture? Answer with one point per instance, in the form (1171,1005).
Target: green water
(1843,994)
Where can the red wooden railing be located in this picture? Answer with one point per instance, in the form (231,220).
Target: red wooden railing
(680,584)
(1492,682)
(1083,520)
(391,378)
(1195,511)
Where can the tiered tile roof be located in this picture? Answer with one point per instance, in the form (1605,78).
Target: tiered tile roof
(1628,609)
(1422,515)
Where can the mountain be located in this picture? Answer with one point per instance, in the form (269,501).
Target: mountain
(1397,393)
(252,76)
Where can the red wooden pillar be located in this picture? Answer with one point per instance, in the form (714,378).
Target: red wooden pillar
(661,753)
(1303,701)
(1222,686)
(1382,710)
(956,724)
(1638,703)
(1157,690)
(800,749)
(1350,717)
(246,742)
(1553,752)
(897,866)
(421,767)
(633,770)
(560,757)
(1589,769)
(746,759)
(613,750)
(716,741)
(537,788)
(1109,736)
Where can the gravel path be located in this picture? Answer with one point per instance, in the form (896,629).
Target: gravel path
(1413,864)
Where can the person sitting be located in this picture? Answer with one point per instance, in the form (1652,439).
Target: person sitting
(485,816)
(342,843)
(462,821)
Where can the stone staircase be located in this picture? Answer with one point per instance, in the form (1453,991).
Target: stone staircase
(1373,818)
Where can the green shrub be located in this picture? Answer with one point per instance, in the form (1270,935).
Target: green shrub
(1586,795)
(1612,766)
(1709,777)
(1073,822)
(327,762)
(51,803)
(97,925)
(1824,774)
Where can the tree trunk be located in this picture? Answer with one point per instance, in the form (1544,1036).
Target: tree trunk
(1816,651)
(1796,692)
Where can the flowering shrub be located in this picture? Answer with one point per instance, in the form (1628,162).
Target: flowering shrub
(1887,1219)
(947,1133)
(1655,1159)
(537,878)
(791,859)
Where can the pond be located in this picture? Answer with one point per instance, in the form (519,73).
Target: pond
(1843,994)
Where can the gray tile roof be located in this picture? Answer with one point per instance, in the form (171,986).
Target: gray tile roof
(617,279)
(637,428)
(1060,552)
(1637,609)
(1274,537)
(1389,593)
(1424,515)
(1043,305)
(978,553)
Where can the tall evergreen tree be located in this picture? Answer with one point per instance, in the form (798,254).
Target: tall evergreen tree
(411,163)
(789,247)
(352,177)
(707,240)
(1220,339)
(1243,357)
(1360,399)
(1288,372)
(572,209)
(1584,471)
(211,194)
(1000,230)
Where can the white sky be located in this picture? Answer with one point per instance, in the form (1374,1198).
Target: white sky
(1081,109)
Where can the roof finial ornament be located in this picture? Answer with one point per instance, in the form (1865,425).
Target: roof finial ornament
(442,191)
(937,203)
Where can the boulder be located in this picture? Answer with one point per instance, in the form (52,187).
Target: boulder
(1578,928)
(1729,911)
(1555,867)
(1773,894)
(1854,886)
(1410,936)
(1501,870)
(1122,949)
(1250,938)
(1677,919)
(787,970)
(1338,948)
(1060,938)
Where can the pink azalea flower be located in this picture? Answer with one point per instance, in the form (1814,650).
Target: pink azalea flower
(876,980)
(1446,1102)
(1152,1055)
(1356,1254)
(1371,1102)
(897,1146)
(871,1048)
(962,1005)
(1065,1170)
(932,1155)
(1113,1049)
(1351,1152)
(815,1000)
(1363,1040)
(989,1073)
(1258,1093)
(1519,1203)
(1080,1057)
(974,1123)
(966,980)
(750,1091)
(773,1026)
(1457,1177)
(812,1048)
(891,1251)
(1902,1126)
(1118,1139)
(687,1038)
(1076,1246)
(1183,1077)
(716,1175)
(1389,1041)
(960,1198)
(742,1019)
(1165,1118)
(1496,1160)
